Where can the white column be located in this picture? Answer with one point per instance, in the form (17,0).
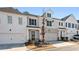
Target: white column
(27,34)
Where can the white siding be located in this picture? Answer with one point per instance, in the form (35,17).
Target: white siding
(20,33)
(17,33)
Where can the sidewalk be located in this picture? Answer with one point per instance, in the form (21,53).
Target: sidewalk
(13,47)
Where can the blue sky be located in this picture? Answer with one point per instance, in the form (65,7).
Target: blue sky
(58,12)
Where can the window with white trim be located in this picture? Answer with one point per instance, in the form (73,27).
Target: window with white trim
(66,24)
(69,25)
(9,19)
(48,14)
(20,20)
(32,22)
(75,25)
(61,24)
(49,23)
(72,25)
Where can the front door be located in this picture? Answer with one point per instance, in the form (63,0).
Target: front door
(60,33)
(32,35)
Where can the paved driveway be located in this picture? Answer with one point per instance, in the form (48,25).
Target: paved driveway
(65,46)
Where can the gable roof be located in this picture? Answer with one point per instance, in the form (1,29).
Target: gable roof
(15,11)
(10,10)
(64,19)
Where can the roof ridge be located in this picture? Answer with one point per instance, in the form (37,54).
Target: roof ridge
(13,10)
(66,17)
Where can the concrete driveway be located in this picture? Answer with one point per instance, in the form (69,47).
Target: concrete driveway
(65,46)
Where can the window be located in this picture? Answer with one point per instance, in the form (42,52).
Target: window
(69,25)
(78,26)
(75,25)
(48,14)
(72,25)
(66,24)
(9,19)
(49,23)
(20,20)
(59,23)
(32,21)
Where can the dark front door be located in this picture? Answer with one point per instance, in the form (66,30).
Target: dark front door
(61,34)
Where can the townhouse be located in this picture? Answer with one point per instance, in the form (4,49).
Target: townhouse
(17,27)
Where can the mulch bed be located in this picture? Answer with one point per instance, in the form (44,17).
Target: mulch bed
(42,48)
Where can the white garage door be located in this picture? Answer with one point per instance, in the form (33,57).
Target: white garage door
(51,35)
(11,39)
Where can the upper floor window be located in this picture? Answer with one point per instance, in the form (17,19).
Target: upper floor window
(75,25)
(20,20)
(48,14)
(59,23)
(69,25)
(72,25)
(9,19)
(49,23)
(66,24)
(32,21)
(78,26)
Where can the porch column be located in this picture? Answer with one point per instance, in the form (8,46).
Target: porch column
(28,34)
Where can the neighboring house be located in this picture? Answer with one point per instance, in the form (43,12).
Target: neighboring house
(78,27)
(16,27)
(71,25)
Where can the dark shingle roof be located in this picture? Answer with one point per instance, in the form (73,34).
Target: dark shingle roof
(16,11)
(10,10)
(63,19)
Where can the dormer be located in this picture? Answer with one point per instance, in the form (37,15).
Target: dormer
(47,13)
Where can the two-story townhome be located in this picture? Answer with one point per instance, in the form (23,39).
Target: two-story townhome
(17,27)
(12,26)
(60,26)
(71,25)
(50,28)
(67,26)
(78,27)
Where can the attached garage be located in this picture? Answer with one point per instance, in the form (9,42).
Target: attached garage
(51,34)
(12,38)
